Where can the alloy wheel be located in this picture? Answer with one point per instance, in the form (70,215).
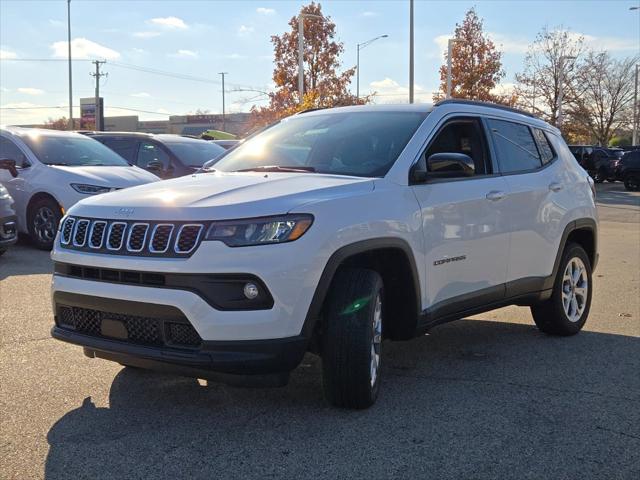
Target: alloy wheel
(575,288)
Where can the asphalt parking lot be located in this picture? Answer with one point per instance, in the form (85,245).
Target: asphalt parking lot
(485,397)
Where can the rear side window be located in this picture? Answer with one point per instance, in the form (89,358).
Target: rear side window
(546,152)
(8,150)
(516,148)
(125,147)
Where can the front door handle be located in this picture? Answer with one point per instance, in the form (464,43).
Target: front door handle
(495,195)
(555,187)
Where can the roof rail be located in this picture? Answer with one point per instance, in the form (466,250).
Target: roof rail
(453,101)
(310,110)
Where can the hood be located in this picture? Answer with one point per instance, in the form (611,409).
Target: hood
(118,177)
(221,196)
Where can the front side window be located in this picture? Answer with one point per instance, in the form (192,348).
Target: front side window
(71,150)
(149,152)
(364,144)
(515,146)
(462,136)
(10,151)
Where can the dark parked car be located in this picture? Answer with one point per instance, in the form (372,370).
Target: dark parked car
(226,144)
(165,155)
(8,227)
(600,162)
(628,170)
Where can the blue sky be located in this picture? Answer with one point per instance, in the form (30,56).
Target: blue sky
(202,38)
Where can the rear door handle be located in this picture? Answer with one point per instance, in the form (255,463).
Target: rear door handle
(555,187)
(495,195)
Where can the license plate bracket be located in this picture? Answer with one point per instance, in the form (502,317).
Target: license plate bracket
(114,329)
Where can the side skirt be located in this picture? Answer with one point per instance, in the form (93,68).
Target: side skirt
(524,292)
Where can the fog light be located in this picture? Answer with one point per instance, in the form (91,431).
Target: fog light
(251,290)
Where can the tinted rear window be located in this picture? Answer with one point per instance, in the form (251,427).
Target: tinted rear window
(516,148)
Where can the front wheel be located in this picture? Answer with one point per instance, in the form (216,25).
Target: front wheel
(566,311)
(599,176)
(351,350)
(43,217)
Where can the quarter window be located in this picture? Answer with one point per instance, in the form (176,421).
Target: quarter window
(150,152)
(546,153)
(516,148)
(125,147)
(10,150)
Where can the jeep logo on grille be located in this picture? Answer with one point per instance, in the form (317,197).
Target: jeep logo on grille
(125,212)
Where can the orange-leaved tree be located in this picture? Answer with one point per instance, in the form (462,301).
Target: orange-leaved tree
(324,86)
(476,67)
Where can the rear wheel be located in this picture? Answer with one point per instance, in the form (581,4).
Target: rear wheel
(567,310)
(600,176)
(632,182)
(351,351)
(43,217)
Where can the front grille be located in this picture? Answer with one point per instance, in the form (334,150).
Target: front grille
(175,239)
(80,233)
(140,330)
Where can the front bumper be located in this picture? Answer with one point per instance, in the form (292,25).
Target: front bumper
(202,360)
(8,231)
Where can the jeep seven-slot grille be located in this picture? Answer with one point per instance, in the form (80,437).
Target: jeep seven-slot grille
(139,330)
(175,239)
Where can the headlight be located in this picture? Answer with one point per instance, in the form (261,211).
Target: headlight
(89,189)
(260,231)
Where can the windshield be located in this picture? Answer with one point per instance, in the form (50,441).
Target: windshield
(72,150)
(195,153)
(364,144)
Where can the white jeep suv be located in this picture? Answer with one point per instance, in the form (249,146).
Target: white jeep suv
(327,233)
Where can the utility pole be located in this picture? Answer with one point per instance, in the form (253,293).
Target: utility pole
(636,115)
(98,110)
(410,51)
(224,119)
(359,47)
(70,127)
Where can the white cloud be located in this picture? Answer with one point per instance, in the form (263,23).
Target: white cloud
(369,14)
(4,89)
(616,44)
(162,110)
(146,34)
(30,91)
(183,53)
(245,30)
(141,95)
(235,56)
(390,91)
(139,51)
(507,44)
(265,11)
(81,48)
(7,55)
(56,23)
(170,22)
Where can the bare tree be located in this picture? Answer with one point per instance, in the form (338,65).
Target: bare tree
(606,100)
(545,66)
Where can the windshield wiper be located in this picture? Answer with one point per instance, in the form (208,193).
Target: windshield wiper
(278,168)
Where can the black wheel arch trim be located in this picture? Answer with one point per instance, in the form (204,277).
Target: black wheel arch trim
(578,224)
(339,257)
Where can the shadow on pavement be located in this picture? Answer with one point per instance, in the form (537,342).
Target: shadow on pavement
(476,399)
(24,259)
(615,194)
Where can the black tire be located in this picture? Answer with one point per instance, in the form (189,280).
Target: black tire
(599,176)
(349,336)
(44,237)
(550,315)
(632,182)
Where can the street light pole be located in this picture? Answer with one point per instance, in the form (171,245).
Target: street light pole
(70,126)
(301,52)
(636,117)
(410,51)
(360,46)
(449,53)
(224,118)
(561,88)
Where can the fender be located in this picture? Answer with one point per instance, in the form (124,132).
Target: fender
(342,254)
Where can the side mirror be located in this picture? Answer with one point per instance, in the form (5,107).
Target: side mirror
(154,166)
(10,165)
(450,165)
